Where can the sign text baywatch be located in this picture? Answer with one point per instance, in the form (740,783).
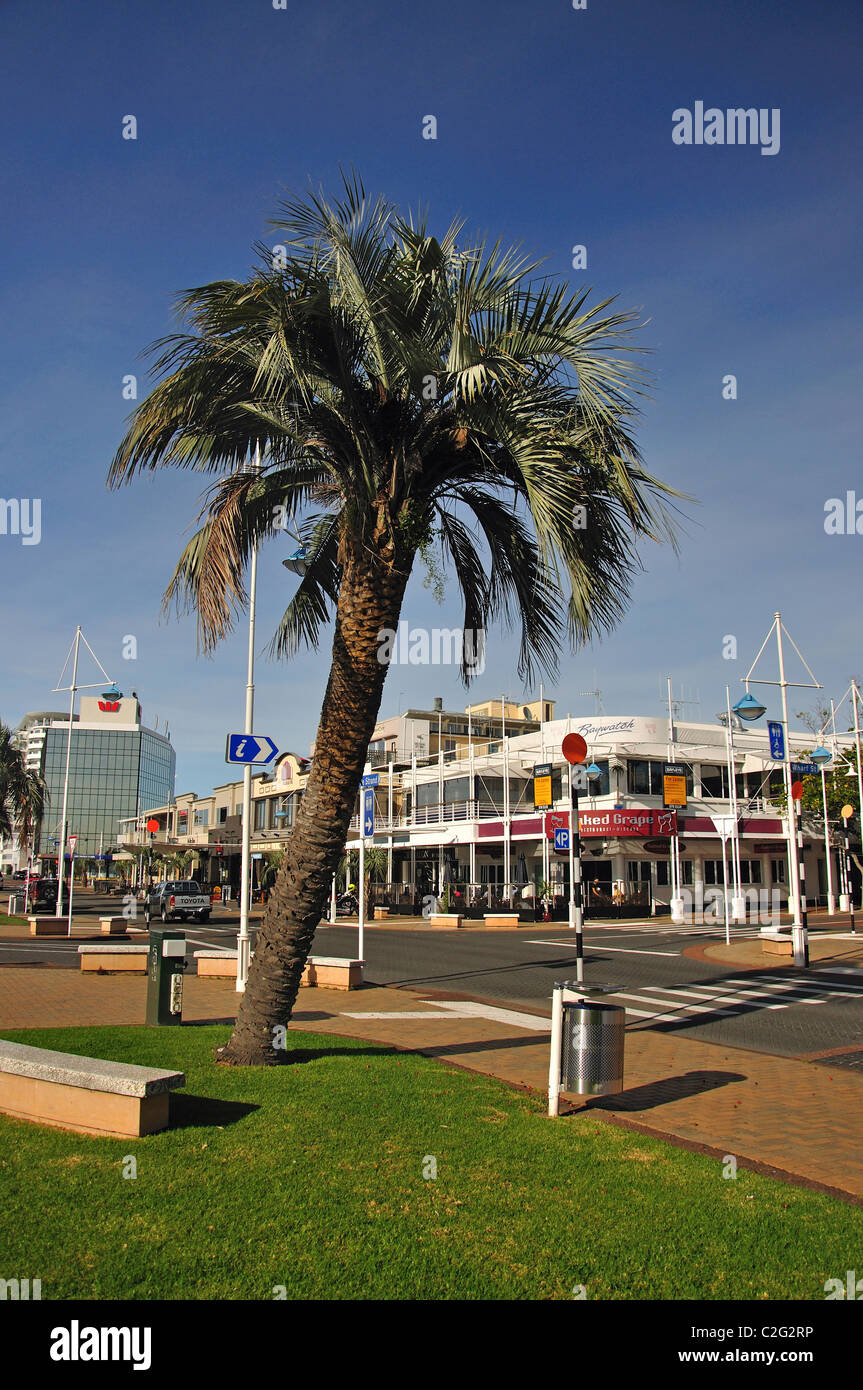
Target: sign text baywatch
(613,823)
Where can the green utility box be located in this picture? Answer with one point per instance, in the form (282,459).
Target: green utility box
(166,963)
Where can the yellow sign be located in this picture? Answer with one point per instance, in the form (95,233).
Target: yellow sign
(674,786)
(542,786)
(847,812)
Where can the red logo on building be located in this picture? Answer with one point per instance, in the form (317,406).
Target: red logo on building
(109,706)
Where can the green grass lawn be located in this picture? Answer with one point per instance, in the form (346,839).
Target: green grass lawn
(311,1176)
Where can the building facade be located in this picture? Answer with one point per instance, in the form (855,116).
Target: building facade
(116,766)
(455,802)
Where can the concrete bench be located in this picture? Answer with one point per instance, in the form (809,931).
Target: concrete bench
(381,914)
(109,959)
(445,919)
(777,945)
(501,919)
(113,926)
(219,963)
(48,926)
(323,972)
(84,1093)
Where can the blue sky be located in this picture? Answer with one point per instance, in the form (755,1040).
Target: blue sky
(554,129)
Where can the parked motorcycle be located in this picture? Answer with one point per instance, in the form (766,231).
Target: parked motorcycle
(347,905)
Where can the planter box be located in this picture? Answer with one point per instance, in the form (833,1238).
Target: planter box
(47,926)
(113,926)
(445,919)
(381,914)
(501,919)
(777,945)
(109,959)
(325,972)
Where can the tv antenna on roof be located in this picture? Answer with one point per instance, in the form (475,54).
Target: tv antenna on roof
(596,693)
(680,704)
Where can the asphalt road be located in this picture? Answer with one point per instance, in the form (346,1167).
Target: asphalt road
(781,1011)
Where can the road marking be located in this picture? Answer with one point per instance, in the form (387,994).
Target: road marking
(468,1009)
(399,1014)
(684,1008)
(627,950)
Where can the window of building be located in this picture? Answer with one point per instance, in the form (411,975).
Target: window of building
(638,870)
(714,781)
(750,871)
(491,874)
(223,815)
(777,871)
(663,872)
(202,817)
(643,777)
(714,871)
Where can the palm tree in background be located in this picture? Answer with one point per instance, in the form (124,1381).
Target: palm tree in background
(23,793)
(408,396)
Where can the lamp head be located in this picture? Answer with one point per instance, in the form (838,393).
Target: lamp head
(749,708)
(297,562)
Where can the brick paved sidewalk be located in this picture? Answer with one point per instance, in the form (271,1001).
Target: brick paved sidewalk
(800,1118)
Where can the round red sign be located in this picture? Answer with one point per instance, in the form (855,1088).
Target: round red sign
(152,826)
(574,748)
(796,790)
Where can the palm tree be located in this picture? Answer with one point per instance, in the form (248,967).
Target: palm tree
(408,395)
(23,793)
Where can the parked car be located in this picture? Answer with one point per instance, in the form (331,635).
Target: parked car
(43,895)
(175,898)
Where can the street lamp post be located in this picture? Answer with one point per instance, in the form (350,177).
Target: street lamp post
(243,940)
(738,903)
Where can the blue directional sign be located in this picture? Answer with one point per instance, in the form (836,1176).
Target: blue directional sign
(250,748)
(368,813)
(561,838)
(803,769)
(371,779)
(777,740)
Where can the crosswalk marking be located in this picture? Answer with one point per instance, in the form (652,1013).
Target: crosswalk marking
(736,996)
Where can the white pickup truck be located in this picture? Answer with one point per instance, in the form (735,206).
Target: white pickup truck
(177,899)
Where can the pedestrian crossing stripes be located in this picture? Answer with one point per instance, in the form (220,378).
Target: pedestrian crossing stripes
(733,997)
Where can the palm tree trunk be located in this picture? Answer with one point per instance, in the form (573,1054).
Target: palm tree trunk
(370,598)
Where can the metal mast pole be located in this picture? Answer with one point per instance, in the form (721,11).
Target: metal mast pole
(798,930)
(62,855)
(854,697)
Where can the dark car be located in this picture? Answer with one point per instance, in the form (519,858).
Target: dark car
(43,895)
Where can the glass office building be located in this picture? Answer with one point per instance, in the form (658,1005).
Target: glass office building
(117,768)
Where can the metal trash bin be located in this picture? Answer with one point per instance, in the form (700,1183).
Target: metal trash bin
(593,1045)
